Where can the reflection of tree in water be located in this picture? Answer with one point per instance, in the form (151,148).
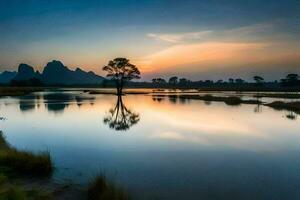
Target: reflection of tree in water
(257,108)
(291,115)
(172,99)
(158,99)
(28,102)
(58,102)
(121,118)
(207,103)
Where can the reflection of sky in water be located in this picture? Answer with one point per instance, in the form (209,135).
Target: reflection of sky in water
(182,150)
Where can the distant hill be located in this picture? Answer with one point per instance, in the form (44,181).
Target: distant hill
(6,76)
(54,73)
(26,72)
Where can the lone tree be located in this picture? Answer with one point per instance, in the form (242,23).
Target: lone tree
(121,70)
(259,80)
(173,81)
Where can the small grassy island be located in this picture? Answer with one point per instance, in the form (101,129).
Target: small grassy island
(18,91)
(280,105)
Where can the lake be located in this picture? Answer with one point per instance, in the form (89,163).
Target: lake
(161,147)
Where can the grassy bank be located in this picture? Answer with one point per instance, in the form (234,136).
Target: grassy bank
(279,95)
(291,106)
(18,91)
(15,163)
(231,100)
(23,162)
(18,169)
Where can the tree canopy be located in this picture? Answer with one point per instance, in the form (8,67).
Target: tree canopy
(121,70)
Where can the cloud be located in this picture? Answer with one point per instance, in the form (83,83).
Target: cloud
(179,37)
(201,53)
(180,137)
(250,49)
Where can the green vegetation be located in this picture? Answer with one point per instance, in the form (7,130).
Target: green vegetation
(12,192)
(22,162)
(17,91)
(279,95)
(291,106)
(227,100)
(15,162)
(231,100)
(101,189)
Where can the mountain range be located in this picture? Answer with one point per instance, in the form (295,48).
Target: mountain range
(54,73)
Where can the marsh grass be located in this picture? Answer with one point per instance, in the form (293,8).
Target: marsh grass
(23,162)
(230,100)
(18,91)
(279,95)
(13,192)
(280,105)
(101,189)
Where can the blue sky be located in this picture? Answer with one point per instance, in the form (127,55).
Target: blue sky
(196,39)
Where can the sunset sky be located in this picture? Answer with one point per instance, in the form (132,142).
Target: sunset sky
(210,39)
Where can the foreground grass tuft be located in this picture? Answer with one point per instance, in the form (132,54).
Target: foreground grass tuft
(22,162)
(101,189)
(27,162)
(12,192)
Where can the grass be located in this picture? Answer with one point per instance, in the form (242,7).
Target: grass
(227,100)
(12,162)
(280,95)
(291,106)
(22,162)
(13,192)
(115,93)
(101,189)
(17,91)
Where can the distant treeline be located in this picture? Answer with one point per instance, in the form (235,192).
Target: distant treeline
(291,81)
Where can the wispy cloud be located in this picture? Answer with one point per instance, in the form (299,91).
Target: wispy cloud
(179,37)
(256,45)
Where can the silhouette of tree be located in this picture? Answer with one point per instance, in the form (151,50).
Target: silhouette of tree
(220,81)
(173,80)
(159,81)
(120,118)
(239,81)
(154,80)
(184,81)
(231,80)
(121,70)
(292,77)
(258,79)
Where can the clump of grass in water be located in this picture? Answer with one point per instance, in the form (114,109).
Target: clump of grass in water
(101,189)
(23,162)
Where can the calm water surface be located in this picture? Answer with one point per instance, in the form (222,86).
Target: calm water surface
(170,149)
